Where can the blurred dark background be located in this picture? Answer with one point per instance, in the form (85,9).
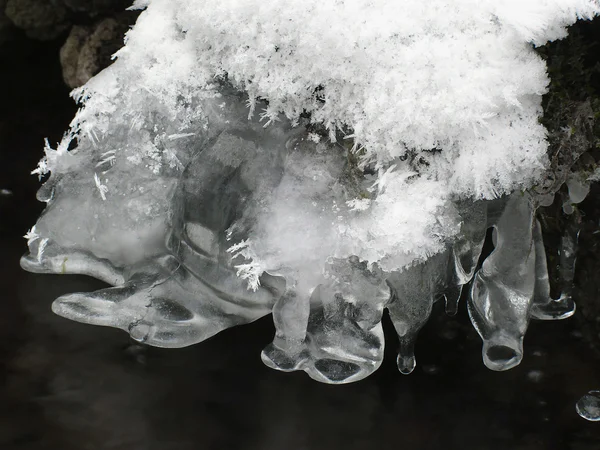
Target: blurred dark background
(68,386)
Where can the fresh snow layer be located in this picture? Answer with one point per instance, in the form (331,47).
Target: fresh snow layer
(442,98)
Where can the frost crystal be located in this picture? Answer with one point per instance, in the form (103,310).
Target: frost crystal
(327,160)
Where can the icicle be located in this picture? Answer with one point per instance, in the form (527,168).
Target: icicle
(414,292)
(466,251)
(503,289)
(343,338)
(544,307)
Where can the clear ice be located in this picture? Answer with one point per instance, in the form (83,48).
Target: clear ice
(172,245)
(202,178)
(588,406)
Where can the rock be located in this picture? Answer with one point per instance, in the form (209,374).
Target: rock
(6,26)
(95,7)
(41,19)
(88,49)
(69,54)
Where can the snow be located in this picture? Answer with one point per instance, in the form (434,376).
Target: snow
(441,99)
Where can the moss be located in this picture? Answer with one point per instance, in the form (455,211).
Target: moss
(572,103)
(574,70)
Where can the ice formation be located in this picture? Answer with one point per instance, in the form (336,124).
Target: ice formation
(327,160)
(588,406)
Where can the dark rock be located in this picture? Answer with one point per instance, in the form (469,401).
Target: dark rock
(96,7)
(89,49)
(41,19)
(6,26)
(571,115)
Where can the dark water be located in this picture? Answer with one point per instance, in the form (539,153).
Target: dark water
(67,386)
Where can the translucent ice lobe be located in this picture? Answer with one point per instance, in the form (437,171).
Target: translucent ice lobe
(181,299)
(503,289)
(467,248)
(578,188)
(344,334)
(288,351)
(109,200)
(542,283)
(83,232)
(163,305)
(178,299)
(414,292)
(343,338)
(45,256)
(451,298)
(545,307)
(466,251)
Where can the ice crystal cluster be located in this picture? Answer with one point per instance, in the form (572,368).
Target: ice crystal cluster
(319,160)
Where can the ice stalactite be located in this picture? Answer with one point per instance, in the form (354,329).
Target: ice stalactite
(341,337)
(545,307)
(176,275)
(503,290)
